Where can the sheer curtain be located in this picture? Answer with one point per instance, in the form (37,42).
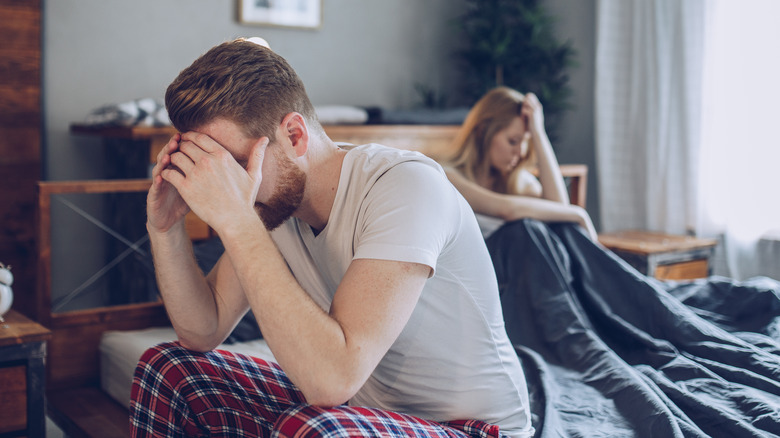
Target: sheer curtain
(686,102)
(740,165)
(648,109)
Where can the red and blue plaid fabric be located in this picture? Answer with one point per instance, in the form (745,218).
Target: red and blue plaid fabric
(177,393)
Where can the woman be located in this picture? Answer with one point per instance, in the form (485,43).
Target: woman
(500,142)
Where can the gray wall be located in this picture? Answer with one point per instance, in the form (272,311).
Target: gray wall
(576,22)
(99,52)
(367,52)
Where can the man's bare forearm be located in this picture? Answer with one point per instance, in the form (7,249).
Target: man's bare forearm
(328,356)
(298,331)
(187,296)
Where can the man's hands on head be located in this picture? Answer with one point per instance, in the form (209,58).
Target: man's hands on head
(164,206)
(206,178)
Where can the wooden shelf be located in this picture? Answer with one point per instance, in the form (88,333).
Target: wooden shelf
(21,330)
(429,139)
(412,137)
(128,132)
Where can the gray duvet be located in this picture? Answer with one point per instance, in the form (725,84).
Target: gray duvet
(609,352)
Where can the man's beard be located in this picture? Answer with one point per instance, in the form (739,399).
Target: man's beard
(287,195)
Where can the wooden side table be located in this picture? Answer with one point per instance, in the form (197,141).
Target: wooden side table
(663,256)
(22,376)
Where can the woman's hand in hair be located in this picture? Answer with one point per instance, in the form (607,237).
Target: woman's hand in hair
(533,114)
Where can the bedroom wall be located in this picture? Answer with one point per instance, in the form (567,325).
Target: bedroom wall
(576,22)
(99,52)
(372,53)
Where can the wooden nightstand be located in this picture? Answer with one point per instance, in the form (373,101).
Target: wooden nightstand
(22,376)
(663,256)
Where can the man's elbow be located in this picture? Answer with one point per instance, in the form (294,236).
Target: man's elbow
(198,344)
(329,392)
(326,400)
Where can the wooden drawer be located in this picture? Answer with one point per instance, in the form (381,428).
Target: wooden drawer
(13,402)
(683,271)
(22,381)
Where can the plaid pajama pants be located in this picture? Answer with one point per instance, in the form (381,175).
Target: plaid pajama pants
(177,392)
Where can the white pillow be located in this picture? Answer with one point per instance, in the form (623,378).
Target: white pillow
(341,115)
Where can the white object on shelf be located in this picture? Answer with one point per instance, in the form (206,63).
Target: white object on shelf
(6,294)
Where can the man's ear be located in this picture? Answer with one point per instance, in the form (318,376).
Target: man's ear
(294,128)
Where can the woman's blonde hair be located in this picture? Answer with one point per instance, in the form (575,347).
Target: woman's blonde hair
(490,115)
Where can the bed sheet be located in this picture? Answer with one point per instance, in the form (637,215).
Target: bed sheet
(120,351)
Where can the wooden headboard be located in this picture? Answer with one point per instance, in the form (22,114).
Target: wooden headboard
(433,140)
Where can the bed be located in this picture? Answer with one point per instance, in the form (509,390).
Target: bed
(606,350)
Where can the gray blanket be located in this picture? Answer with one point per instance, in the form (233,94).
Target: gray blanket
(610,352)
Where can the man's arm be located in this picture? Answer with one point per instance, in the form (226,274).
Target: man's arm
(201,315)
(201,318)
(329,356)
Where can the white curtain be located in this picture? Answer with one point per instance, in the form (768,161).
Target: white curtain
(686,97)
(740,166)
(648,109)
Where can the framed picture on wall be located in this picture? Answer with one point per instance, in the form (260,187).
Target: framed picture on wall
(288,13)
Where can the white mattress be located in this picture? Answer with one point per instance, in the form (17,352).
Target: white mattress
(120,351)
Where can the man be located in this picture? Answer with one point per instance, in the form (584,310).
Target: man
(364,267)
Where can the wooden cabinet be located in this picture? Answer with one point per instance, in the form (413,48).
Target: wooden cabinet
(663,256)
(22,376)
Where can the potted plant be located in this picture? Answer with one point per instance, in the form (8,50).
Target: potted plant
(512,43)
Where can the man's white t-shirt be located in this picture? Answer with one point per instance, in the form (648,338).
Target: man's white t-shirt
(453,359)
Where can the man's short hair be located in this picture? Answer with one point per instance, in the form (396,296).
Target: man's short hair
(240,81)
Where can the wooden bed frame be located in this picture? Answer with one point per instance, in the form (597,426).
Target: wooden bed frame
(75,401)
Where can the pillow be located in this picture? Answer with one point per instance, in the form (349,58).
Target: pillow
(341,115)
(139,112)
